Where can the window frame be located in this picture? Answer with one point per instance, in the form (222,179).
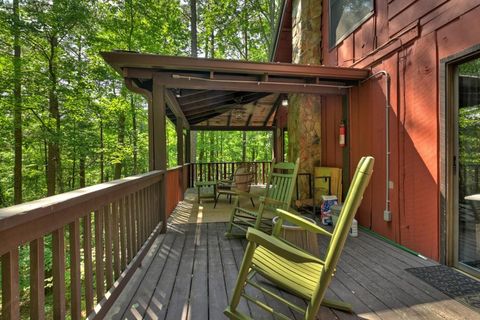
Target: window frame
(349,31)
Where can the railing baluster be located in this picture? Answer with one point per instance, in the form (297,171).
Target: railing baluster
(58,265)
(115,240)
(75,282)
(108,246)
(133,221)
(144,215)
(10,286)
(87,262)
(123,234)
(37,278)
(137,217)
(99,273)
(128,222)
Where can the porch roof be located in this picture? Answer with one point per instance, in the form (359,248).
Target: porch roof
(227,94)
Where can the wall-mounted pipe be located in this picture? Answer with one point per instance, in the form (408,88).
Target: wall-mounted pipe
(387,213)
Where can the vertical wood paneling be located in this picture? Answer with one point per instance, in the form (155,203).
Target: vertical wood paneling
(37,275)
(75,282)
(108,246)
(99,271)
(58,265)
(87,262)
(10,286)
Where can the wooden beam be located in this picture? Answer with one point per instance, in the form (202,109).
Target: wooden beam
(160,142)
(132,86)
(175,107)
(254,86)
(201,96)
(230,128)
(273,110)
(120,60)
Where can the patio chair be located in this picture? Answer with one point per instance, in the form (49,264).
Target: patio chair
(242,181)
(293,269)
(279,191)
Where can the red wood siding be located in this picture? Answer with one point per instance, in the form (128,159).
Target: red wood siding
(415,35)
(174,190)
(331,115)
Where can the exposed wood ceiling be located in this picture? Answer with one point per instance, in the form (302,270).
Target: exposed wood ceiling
(222,94)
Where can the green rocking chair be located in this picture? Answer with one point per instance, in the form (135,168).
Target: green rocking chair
(279,191)
(293,269)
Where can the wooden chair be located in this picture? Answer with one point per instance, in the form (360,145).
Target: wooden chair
(293,269)
(242,181)
(279,191)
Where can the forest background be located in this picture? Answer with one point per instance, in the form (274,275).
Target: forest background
(67,120)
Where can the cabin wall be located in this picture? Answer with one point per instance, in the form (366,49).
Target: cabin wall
(407,38)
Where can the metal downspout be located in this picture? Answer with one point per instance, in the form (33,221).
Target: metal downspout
(387,214)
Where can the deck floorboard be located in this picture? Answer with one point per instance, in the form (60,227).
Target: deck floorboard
(190,273)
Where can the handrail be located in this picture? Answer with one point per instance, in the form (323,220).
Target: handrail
(207,171)
(26,212)
(110,227)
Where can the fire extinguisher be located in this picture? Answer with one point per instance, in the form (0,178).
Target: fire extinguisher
(341,136)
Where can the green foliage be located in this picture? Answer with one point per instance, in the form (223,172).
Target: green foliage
(227,146)
(101,124)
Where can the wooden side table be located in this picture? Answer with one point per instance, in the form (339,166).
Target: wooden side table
(206,190)
(299,236)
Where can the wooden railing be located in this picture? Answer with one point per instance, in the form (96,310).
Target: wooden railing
(103,231)
(175,188)
(224,170)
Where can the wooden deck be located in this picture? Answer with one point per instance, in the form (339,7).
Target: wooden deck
(190,271)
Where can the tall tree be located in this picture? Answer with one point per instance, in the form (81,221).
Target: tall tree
(17,96)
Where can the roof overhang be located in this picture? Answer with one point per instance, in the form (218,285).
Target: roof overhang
(201,89)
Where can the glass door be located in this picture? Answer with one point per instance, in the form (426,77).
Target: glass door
(467,166)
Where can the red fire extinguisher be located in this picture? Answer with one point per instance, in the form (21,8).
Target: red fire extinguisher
(341,136)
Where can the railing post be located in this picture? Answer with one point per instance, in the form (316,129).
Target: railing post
(75,289)
(37,275)
(99,272)
(10,285)
(160,141)
(87,262)
(58,264)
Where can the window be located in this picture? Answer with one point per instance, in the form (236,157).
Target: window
(345,16)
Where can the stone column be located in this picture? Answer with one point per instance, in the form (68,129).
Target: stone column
(304,109)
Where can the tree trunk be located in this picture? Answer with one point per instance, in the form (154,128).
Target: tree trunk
(17,97)
(193,27)
(121,143)
(82,170)
(244,146)
(202,147)
(54,177)
(211,146)
(135,137)
(102,155)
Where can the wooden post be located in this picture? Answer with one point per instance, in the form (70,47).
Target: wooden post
(10,285)
(160,141)
(180,153)
(37,275)
(151,144)
(278,144)
(188,146)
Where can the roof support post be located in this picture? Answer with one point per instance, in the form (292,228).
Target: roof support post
(159,144)
(180,152)
(278,152)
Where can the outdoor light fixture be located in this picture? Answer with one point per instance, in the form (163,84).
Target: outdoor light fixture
(285,102)
(178,93)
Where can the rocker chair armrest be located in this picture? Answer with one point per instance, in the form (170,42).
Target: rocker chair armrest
(299,221)
(270,201)
(279,247)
